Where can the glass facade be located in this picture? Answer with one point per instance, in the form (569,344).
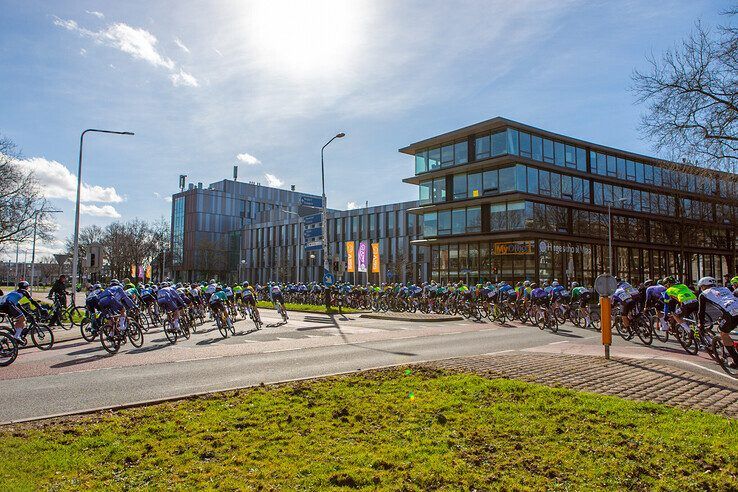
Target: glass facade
(546,215)
(178,218)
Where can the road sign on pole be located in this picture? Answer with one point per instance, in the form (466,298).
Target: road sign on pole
(311,232)
(312,219)
(311,201)
(328,279)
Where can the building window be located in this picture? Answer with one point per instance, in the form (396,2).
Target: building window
(507,179)
(458,221)
(525,145)
(430,224)
(439,190)
(459,182)
(499,144)
(512,141)
(490,183)
(434,159)
(461,152)
(178,231)
(421,162)
(473,219)
(444,223)
(482,147)
(425,192)
(474,185)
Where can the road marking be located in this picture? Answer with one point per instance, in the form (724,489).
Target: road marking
(719,373)
(499,352)
(556,343)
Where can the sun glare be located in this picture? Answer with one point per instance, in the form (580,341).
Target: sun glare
(305,38)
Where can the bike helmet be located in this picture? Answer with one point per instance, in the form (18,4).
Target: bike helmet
(98,286)
(23,285)
(574,284)
(706,282)
(734,280)
(114,282)
(669,280)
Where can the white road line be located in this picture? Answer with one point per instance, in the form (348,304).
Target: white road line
(719,373)
(562,341)
(499,352)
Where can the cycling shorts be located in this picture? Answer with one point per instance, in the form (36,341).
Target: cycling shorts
(278,298)
(727,323)
(169,305)
(11,310)
(585,298)
(688,309)
(238,295)
(110,305)
(629,305)
(249,300)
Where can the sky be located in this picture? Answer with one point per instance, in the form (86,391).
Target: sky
(206,85)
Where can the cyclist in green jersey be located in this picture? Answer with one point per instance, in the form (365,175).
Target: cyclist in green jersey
(679,299)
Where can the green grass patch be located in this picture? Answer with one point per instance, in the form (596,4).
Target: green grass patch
(386,430)
(307,308)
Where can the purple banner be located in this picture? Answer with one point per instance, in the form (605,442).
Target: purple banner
(363,256)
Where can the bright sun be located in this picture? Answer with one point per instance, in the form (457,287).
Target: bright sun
(305,38)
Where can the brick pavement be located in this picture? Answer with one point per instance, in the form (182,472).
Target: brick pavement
(641,380)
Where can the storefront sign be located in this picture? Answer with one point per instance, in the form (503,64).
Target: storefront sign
(545,247)
(363,253)
(514,248)
(350,256)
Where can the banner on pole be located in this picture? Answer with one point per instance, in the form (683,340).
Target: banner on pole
(133,271)
(350,256)
(148,273)
(363,254)
(375,257)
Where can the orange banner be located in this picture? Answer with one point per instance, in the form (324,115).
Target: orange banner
(349,256)
(375,257)
(133,271)
(148,273)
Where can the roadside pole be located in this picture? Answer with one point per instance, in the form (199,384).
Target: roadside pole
(605,286)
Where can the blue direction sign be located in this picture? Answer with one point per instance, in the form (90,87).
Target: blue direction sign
(313,232)
(314,247)
(328,279)
(311,201)
(312,219)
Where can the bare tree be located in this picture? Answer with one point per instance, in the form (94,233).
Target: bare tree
(692,98)
(21,202)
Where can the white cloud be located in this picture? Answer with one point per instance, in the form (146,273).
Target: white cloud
(83,52)
(351,206)
(179,43)
(273,181)
(97,14)
(58,182)
(137,42)
(95,211)
(248,159)
(218,52)
(166,198)
(183,78)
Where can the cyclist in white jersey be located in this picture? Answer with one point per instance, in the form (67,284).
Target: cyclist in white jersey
(723,299)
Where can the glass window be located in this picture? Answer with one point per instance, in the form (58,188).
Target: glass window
(532,180)
(461,152)
(489,182)
(525,145)
(512,141)
(459,186)
(430,224)
(602,166)
(458,221)
(499,143)
(597,190)
(630,171)
(425,192)
(421,162)
(567,187)
(520,177)
(481,147)
(544,182)
(537,148)
(639,172)
(447,155)
(473,219)
(555,185)
(581,159)
(444,223)
(648,173)
(516,215)
(559,154)
(612,167)
(571,156)
(593,161)
(439,190)
(657,176)
(507,179)
(498,217)
(548,151)
(621,168)
(474,185)
(434,159)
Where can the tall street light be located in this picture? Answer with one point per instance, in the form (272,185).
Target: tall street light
(324,222)
(75,259)
(33,254)
(609,228)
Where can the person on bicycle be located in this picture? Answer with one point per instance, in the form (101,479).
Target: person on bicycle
(723,299)
(10,305)
(217,302)
(538,295)
(92,304)
(680,300)
(655,299)
(275,294)
(114,301)
(58,293)
(169,300)
(628,296)
(249,296)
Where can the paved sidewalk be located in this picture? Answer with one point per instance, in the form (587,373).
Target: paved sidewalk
(412,317)
(641,380)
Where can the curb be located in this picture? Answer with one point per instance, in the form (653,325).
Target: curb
(389,317)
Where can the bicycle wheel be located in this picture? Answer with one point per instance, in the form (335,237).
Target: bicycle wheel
(626,333)
(686,340)
(170,332)
(643,330)
(231,326)
(42,336)
(77,315)
(8,349)
(109,339)
(135,334)
(88,332)
(222,327)
(655,323)
(552,322)
(185,328)
(723,357)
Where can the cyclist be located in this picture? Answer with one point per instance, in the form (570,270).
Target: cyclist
(655,299)
(723,299)
(680,299)
(169,300)
(217,302)
(275,293)
(114,300)
(10,305)
(628,296)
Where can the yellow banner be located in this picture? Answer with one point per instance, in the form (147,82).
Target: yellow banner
(148,272)
(133,271)
(375,257)
(350,256)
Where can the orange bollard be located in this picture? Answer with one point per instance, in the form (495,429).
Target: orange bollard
(605,319)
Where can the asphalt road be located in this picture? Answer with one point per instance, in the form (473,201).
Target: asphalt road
(78,376)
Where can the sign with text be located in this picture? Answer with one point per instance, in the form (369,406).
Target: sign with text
(311,201)
(350,256)
(514,248)
(375,257)
(363,256)
(313,232)
(313,219)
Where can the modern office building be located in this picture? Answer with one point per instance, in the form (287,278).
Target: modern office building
(274,247)
(503,200)
(207,225)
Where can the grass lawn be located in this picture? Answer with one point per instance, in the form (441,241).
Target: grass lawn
(384,430)
(307,308)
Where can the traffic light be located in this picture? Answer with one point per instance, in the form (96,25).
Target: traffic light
(335,266)
(93,260)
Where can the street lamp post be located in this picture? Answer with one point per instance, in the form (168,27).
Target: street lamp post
(324,221)
(33,252)
(75,258)
(609,229)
